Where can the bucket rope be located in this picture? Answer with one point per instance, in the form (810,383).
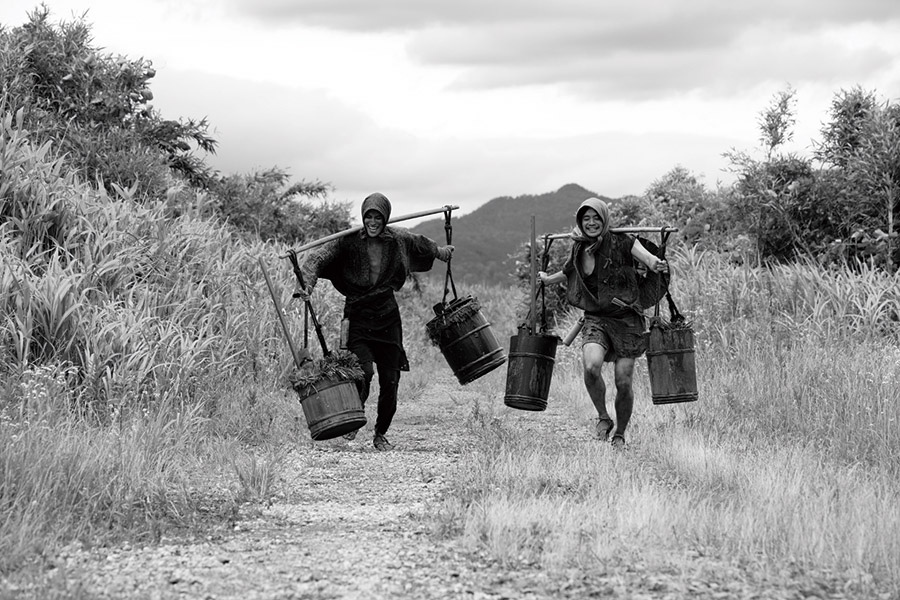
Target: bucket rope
(541,291)
(448,278)
(545,262)
(309,312)
(675,315)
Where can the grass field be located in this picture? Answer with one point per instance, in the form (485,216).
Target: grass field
(788,460)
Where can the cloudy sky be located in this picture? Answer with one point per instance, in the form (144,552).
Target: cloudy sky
(460,101)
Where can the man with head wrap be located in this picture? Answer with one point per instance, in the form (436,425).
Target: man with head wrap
(367,268)
(602,280)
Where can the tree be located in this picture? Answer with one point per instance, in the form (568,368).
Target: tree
(776,122)
(678,196)
(861,145)
(96,107)
(264,205)
(773,196)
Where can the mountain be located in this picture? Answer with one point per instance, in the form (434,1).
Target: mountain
(486,238)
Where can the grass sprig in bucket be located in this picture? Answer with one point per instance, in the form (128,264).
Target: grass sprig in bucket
(338,365)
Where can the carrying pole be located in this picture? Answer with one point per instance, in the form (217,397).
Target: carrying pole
(358,228)
(560,236)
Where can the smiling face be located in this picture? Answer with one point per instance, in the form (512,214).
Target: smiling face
(373,221)
(591,223)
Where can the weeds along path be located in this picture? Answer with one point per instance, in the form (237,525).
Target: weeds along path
(346,521)
(349,522)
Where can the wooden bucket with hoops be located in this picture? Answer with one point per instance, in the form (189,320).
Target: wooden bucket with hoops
(532,352)
(671,360)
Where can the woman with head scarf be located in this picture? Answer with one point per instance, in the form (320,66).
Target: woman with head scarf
(367,268)
(601,279)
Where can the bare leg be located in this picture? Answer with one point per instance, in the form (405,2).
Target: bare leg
(624,372)
(592,359)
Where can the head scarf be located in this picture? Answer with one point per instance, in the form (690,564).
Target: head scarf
(380,204)
(602,209)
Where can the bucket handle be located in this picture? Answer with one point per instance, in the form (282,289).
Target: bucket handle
(310,313)
(545,262)
(674,313)
(541,291)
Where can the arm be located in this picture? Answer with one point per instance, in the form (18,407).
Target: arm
(547,279)
(422,250)
(653,263)
(313,266)
(444,253)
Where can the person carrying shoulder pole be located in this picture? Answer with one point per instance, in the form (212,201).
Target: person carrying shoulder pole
(601,279)
(367,268)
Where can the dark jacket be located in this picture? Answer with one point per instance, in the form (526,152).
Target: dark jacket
(345,262)
(614,276)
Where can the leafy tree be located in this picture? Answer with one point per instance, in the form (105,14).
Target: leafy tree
(680,199)
(773,198)
(96,107)
(266,206)
(861,146)
(777,121)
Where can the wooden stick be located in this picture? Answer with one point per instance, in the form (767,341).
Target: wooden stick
(560,236)
(298,357)
(358,228)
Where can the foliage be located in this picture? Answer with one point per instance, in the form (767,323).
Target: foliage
(680,199)
(777,121)
(96,108)
(338,365)
(773,200)
(266,206)
(862,145)
(844,211)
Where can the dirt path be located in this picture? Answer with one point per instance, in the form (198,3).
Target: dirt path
(347,522)
(350,522)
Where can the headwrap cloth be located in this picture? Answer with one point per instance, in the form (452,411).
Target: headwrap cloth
(379,203)
(578,233)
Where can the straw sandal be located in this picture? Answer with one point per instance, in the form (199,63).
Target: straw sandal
(605,425)
(381,443)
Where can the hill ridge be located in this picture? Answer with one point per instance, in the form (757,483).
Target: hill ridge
(487,237)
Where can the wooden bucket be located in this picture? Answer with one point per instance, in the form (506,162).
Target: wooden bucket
(529,371)
(670,360)
(332,408)
(465,339)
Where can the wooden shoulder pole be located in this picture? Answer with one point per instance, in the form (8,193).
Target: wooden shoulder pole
(358,228)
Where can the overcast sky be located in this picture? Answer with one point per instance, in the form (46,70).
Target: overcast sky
(460,101)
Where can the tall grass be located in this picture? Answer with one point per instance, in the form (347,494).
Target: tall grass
(134,339)
(62,478)
(789,457)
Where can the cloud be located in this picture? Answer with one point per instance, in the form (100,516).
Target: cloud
(695,15)
(316,137)
(637,50)
(595,73)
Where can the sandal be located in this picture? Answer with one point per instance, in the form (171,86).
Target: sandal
(605,425)
(618,441)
